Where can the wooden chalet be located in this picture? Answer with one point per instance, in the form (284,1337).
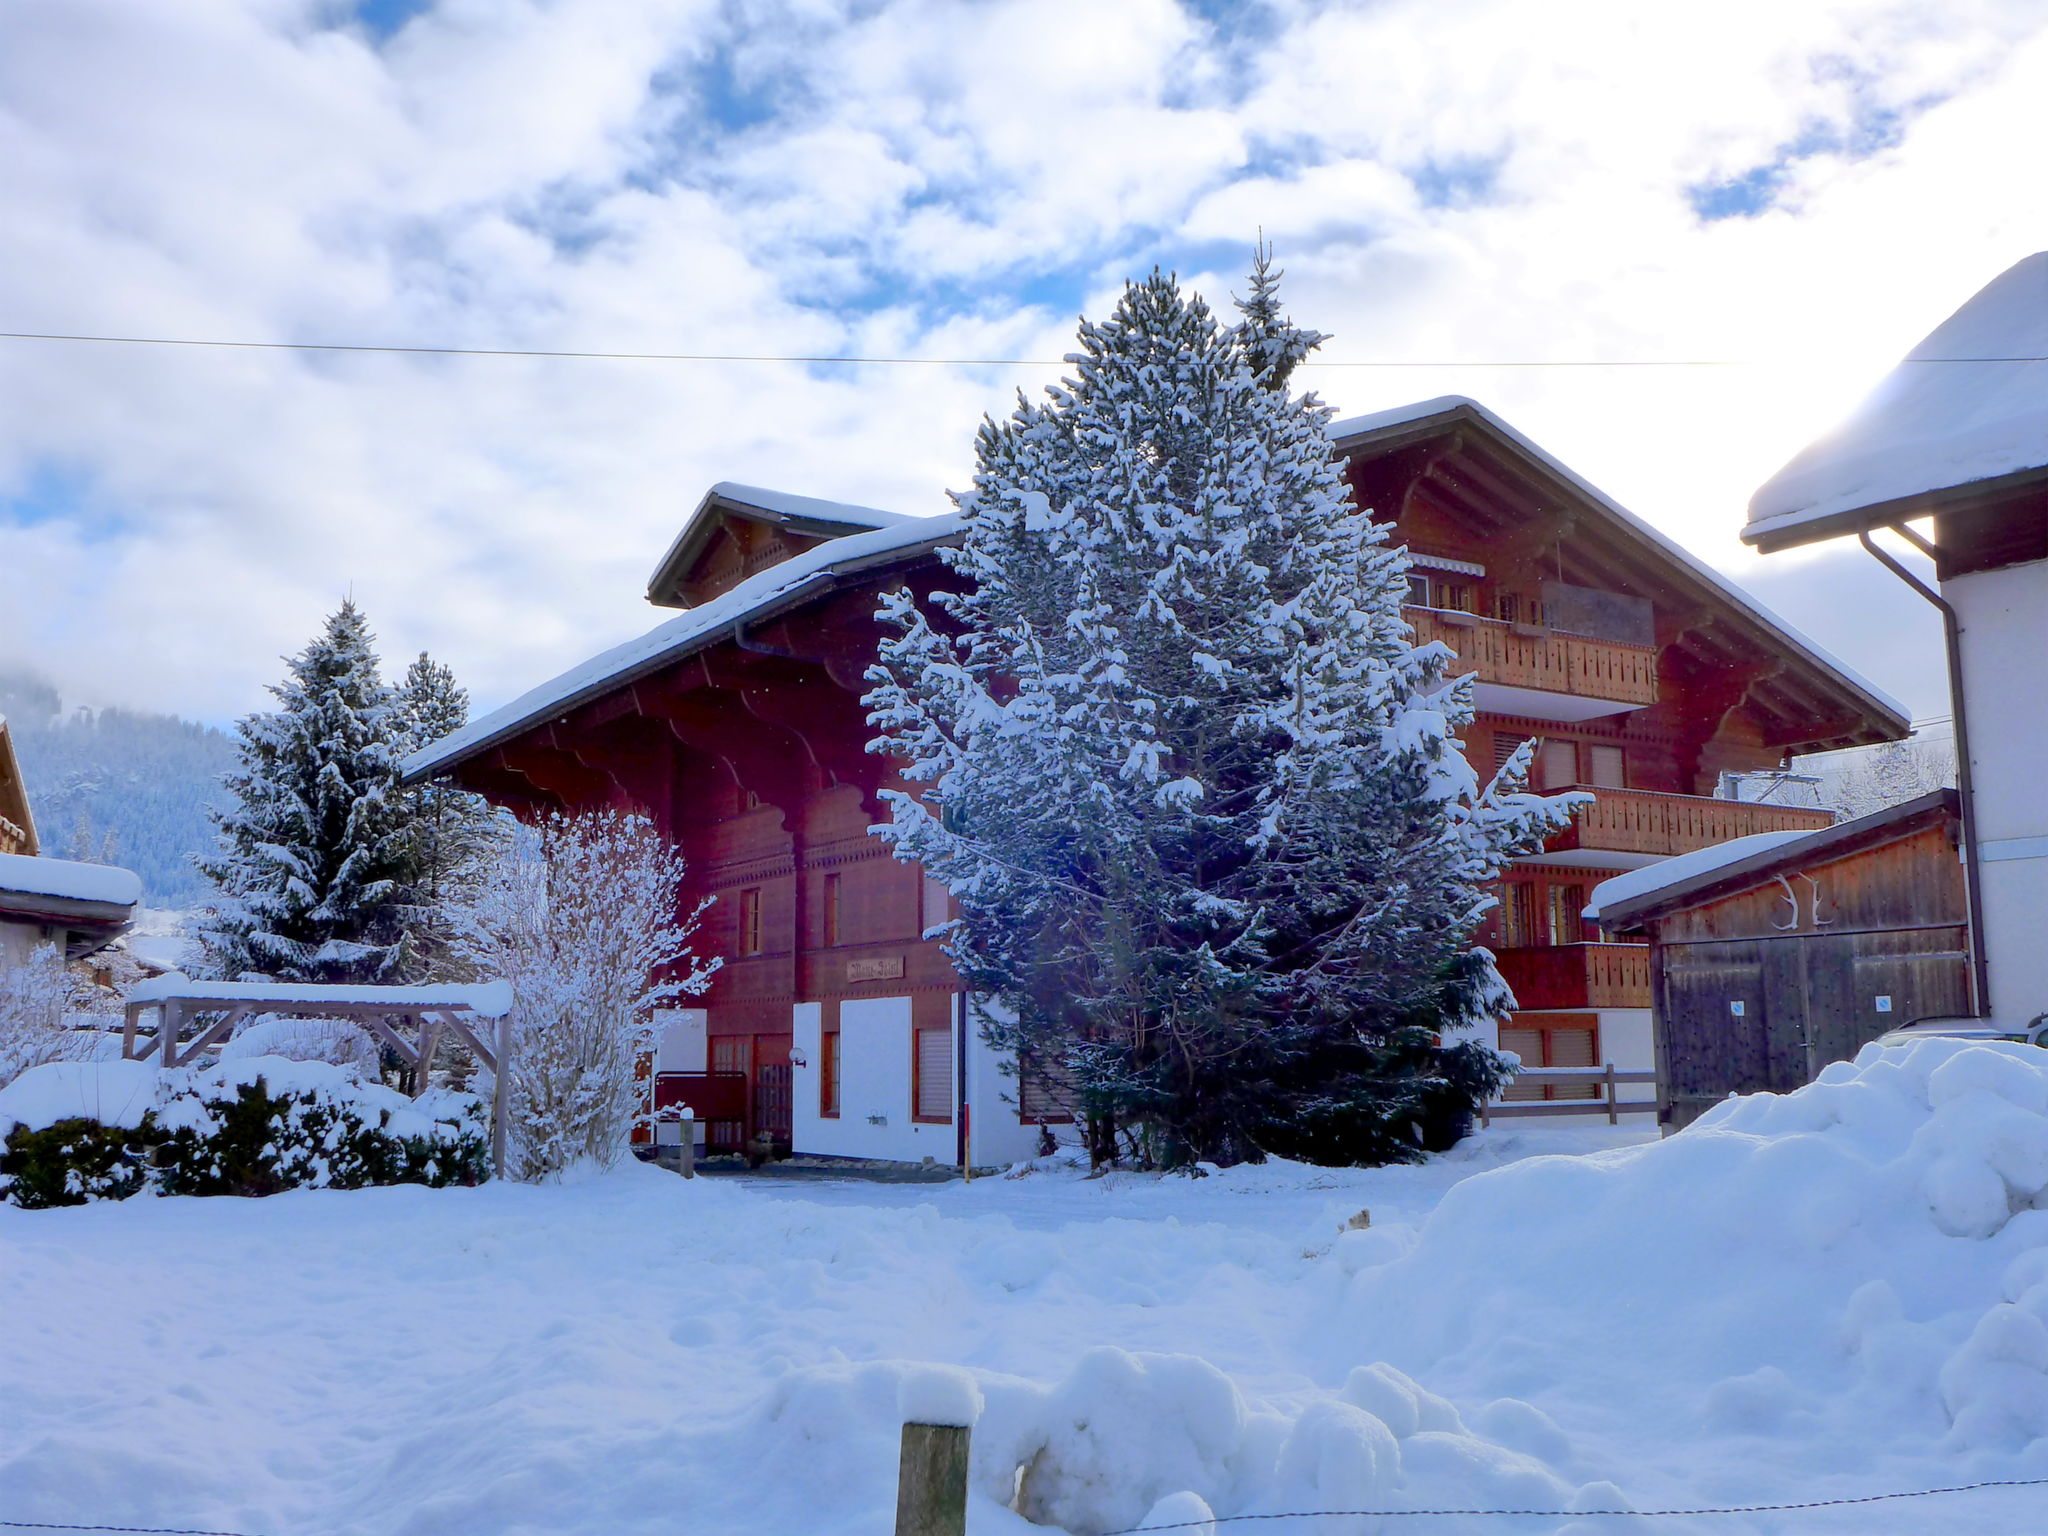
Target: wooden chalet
(17,825)
(1788,952)
(836,1029)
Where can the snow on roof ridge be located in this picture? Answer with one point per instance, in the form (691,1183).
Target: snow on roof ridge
(1932,426)
(68,880)
(669,641)
(1443,404)
(789,504)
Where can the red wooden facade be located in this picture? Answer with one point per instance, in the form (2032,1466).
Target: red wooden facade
(744,736)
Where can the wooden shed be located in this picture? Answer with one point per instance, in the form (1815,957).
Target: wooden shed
(1774,955)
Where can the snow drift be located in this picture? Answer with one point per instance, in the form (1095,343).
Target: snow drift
(1862,1262)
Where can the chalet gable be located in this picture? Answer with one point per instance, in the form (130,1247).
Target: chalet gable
(1552,551)
(738,531)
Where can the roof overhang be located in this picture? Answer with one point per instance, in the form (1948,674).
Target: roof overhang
(1790,530)
(762,598)
(1386,430)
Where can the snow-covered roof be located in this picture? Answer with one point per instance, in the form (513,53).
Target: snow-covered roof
(489,999)
(809,509)
(1626,899)
(779,586)
(806,514)
(1937,423)
(1627,889)
(1357,428)
(105,885)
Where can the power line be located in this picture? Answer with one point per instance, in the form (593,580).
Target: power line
(933,362)
(1309,1514)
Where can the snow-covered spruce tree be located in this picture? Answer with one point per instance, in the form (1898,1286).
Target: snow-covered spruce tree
(1216,845)
(454,834)
(315,856)
(582,915)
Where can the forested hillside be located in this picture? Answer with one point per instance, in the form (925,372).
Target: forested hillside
(119,786)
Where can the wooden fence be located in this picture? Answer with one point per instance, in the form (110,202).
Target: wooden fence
(1606,1079)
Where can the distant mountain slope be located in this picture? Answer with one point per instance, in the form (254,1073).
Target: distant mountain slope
(119,786)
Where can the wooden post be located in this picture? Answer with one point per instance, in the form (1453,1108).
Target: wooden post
(430,1036)
(931,1481)
(1613,1113)
(128,1017)
(501,1094)
(169,1019)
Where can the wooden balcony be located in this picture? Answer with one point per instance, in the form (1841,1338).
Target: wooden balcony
(1642,821)
(1542,661)
(1578,975)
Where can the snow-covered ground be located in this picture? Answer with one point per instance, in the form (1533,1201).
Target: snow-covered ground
(1828,1295)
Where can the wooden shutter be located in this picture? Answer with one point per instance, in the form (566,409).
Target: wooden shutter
(934,1074)
(830,913)
(1527,1044)
(1606,768)
(937,903)
(1557,764)
(1572,1048)
(1504,746)
(1044,1092)
(1566,903)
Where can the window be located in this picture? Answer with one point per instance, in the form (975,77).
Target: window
(828,1073)
(750,921)
(1557,765)
(1454,595)
(1566,903)
(1520,923)
(1571,1044)
(829,912)
(933,1067)
(1507,606)
(1418,590)
(1504,745)
(937,904)
(1605,767)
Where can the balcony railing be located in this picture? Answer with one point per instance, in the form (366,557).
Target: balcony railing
(1646,821)
(1578,975)
(1545,660)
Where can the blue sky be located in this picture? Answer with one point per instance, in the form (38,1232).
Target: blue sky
(1806,187)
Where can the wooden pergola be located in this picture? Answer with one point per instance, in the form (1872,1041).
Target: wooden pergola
(470,1013)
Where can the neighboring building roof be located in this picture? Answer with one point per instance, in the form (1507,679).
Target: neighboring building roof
(1939,429)
(105,885)
(1624,902)
(801,514)
(17,823)
(1432,415)
(783,586)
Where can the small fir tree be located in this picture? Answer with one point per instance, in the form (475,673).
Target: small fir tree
(454,834)
(315,862)
(1218,852)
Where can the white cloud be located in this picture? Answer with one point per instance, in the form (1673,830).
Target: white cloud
(1458,179)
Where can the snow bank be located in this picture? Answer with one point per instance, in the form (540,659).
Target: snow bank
(111,1092)
(106,884)
(1865,1258)
(339,1041)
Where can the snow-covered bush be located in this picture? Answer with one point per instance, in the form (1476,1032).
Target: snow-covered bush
(1200,795)
(582,915)
(72,1132)
(33,996)
(338,1042)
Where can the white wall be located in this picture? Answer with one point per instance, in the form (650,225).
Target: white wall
(2003,616)
(874,1087)
(17,942)
(874,1092)
(681,1045)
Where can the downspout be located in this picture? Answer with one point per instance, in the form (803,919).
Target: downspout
(963,1111)
(1973,890)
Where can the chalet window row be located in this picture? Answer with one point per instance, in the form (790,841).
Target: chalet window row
(1560,763)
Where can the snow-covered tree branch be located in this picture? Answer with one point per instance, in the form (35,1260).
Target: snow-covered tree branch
(582,915)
